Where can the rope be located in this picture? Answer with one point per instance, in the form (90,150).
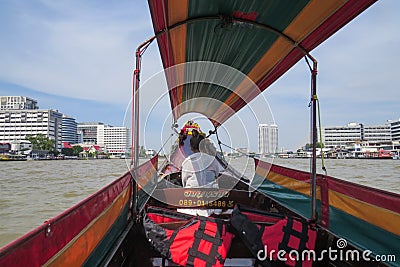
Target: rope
(323,167)
(315,97)
(320,136)
(219,143)
(145,47)
(240,152)
(167,159)
(308,63)
(170,136)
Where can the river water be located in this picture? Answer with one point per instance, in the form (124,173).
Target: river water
(33,191)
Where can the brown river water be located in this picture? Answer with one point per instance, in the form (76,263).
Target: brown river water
(33,191)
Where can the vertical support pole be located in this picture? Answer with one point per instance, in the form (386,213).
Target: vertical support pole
(135,124)
(314,141)
(135,131)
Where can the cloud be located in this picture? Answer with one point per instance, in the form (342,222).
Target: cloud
(80,109)
(74,49)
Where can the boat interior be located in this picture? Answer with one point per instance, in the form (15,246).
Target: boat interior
(218,56)
(168,201)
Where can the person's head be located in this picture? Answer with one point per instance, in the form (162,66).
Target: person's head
(195,141)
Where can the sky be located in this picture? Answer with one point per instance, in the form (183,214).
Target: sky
(78,57)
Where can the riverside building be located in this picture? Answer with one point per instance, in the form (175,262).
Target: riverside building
(395,130)
(20,116)
(116,140)
(17,124)
(88,132)
(69,130)
(267,139)
(338,136)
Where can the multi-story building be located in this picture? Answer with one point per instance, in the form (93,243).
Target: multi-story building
(337,136)
(273,139)
(377,133)
(267,139)
(17,124)
(17,102)
(116,140)
(88,132)
(262,139)
(69,130)
(395,130)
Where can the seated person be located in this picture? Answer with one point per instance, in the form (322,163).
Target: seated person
(200,170)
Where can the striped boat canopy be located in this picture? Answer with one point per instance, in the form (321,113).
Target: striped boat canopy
(233,50)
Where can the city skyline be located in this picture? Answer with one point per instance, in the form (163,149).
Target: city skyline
(261,149)
(81,59)
(21,118)
(30,103)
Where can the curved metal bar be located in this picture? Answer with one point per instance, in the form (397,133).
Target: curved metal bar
(241,20)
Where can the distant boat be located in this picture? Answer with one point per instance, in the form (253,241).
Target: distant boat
(11,157)
(381,154)
(384,154)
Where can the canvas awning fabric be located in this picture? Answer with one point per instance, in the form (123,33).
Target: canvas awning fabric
(255,42)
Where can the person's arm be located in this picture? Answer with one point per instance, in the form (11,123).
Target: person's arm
(219,169)
(184,179)
(184,173)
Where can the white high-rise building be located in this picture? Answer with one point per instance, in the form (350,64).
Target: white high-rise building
(267,139)
(273,139)
(262,139)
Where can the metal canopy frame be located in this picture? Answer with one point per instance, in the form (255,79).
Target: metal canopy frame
(224,19)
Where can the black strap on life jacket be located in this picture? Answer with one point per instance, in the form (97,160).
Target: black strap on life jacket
(247,231)
(255,236)
(157,236)
(250,235)
(289,231)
